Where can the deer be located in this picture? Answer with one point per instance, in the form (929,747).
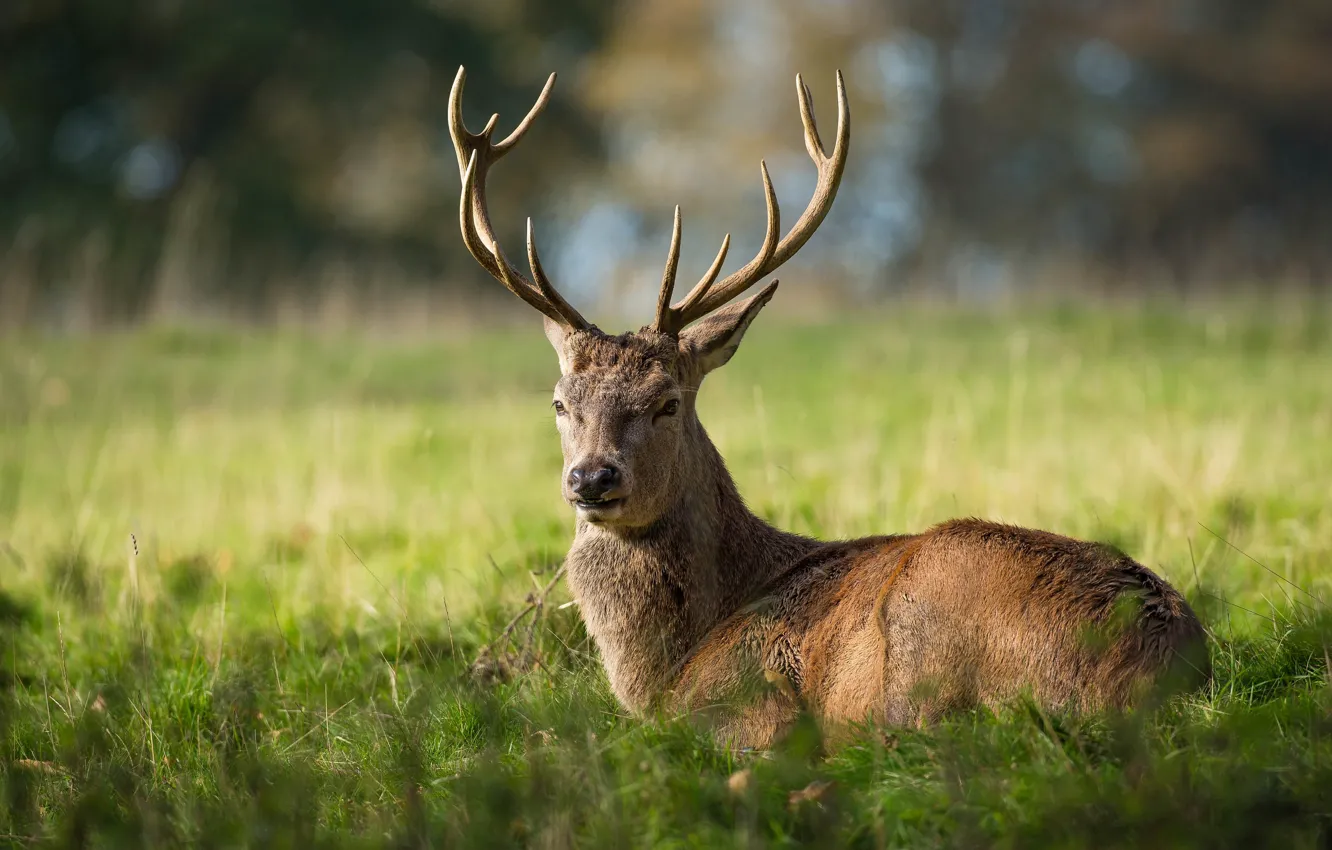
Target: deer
(699,607)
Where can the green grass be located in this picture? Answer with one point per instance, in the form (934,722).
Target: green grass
(328,530)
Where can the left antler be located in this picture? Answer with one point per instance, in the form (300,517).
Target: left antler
(476,153)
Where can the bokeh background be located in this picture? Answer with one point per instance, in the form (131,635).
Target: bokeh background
(289,160)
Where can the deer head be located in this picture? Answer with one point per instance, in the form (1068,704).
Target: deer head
(624,405)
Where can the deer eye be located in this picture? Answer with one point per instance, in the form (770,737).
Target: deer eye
(670,408)
(559,407)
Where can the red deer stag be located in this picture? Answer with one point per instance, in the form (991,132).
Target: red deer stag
(695,603)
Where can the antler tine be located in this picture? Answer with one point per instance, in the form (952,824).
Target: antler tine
(521,130)
(813,143)
(743,278)
(831,168)
(476,153)
(546,288)
(705,283)
(663,321)
(670,319)
(704,297)
(494,262)
(458,129)
(478,248)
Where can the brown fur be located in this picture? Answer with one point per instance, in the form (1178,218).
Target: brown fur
(696,604)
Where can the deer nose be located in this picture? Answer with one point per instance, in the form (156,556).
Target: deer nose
(593,483)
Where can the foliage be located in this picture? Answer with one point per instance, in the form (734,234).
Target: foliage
(1183,140)
(256,157)
(268,131)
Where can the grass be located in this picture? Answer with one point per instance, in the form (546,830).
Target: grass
(244,576)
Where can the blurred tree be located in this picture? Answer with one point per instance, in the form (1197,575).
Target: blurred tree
(159,153)
(1188,140)
(152,151)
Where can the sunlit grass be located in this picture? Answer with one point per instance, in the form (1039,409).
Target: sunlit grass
(248,572)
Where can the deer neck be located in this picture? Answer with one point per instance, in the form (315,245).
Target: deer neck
(648,595)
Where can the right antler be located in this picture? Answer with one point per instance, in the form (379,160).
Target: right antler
(476,154)
(704,297)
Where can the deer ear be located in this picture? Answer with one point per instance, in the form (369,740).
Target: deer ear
(714,339)
(558,334)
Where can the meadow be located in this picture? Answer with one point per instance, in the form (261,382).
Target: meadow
(246,575)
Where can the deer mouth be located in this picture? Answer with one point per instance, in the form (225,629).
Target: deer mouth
(597,505)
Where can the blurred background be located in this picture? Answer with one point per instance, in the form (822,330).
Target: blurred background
(289,160)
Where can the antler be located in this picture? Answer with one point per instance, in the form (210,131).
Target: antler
(476,153)
(705,297)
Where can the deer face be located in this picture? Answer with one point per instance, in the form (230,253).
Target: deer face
(619,406)
(624,406)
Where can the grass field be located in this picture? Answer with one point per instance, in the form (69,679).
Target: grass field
(244,577)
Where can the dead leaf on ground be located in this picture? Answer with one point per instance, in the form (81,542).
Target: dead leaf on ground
(740,782)
(814,792)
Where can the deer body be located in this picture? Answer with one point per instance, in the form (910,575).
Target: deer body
(708,606)
(902,629)
(696,604)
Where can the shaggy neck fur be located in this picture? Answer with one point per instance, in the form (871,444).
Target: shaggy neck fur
(648,595)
